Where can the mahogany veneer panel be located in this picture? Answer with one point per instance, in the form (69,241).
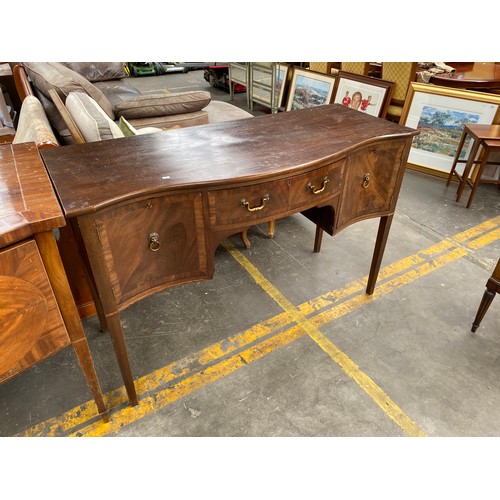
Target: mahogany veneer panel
(31,326)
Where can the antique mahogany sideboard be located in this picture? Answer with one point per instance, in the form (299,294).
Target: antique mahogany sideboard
(37,313)
(149,211)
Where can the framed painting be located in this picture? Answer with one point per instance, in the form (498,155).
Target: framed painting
(364,93)
(309,89)
(440,114)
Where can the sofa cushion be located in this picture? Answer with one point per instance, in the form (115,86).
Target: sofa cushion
(145,106)
(221,111)
(94,124)
(98,71)
(129,130)
(54,75)
(117,91)
(169,121)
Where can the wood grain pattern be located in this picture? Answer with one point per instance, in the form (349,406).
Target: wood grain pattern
(124,235)
(30,321)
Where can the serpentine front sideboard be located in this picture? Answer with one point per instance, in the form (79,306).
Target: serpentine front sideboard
(149,211)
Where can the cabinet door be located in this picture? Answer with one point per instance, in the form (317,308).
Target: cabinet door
(152,243)
(370,180)
(31,326)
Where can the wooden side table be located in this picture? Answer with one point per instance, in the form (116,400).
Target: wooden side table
(38,315)
(487,136)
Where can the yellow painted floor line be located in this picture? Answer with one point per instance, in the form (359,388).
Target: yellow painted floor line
(349,367)
(86,412)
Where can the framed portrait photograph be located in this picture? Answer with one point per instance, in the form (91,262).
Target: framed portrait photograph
(364,93)
(308,89)
(440,113)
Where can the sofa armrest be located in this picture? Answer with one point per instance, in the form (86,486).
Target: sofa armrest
(145,106)
(33,125)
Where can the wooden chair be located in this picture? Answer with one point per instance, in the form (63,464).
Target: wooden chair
(486,137)
(492,288)
(321,67)
(360,68)
(401,73)
(68,119)
(328,68)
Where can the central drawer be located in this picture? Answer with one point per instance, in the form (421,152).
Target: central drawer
(313,188)
(261,202)
(248,203)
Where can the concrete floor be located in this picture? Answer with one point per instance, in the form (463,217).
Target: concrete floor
(224,358)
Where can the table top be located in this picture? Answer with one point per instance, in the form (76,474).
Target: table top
(484,131)
(88,177)
(28,204)
(470,75)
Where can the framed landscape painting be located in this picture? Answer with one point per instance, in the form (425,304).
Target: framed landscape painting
(364,93)
(440,113)
(308,89)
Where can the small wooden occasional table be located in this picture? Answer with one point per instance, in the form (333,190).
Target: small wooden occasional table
(149,211)
(487,136)
(38,316)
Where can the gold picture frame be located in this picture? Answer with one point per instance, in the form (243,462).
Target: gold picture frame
(440,114)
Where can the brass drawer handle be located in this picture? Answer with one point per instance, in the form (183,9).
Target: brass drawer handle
(245,203)
(366,180)
(154,242)
(310,186)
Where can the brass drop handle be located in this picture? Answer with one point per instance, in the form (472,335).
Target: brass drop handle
(245,203)
(366,180)
(154,242)
(310,186)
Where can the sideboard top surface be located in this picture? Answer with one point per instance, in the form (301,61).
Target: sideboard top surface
(28,204)
(90,176)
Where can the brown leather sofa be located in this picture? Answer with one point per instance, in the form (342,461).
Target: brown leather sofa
(108,84)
